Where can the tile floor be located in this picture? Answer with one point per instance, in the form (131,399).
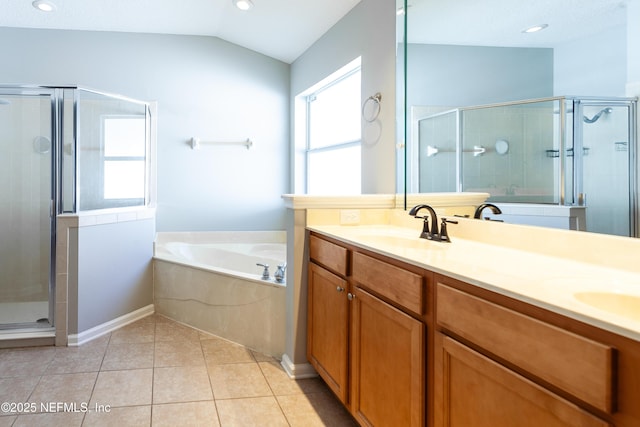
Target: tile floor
(156,372)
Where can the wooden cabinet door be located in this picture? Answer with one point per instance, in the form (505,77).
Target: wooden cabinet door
(387,364)
(478,392)
(327,328)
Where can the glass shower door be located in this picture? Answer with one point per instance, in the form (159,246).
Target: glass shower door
(606,156)
(26,217)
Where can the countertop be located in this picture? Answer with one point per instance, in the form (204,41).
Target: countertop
(551,282)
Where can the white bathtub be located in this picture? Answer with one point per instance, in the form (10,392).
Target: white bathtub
(210,280)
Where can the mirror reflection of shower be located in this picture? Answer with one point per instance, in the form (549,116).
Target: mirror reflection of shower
(563,151)
(595,118)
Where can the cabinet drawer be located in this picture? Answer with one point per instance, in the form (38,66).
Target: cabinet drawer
(328,254)
(580,366)
(396,284)
(483,393)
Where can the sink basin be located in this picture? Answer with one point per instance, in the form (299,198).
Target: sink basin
(620,304)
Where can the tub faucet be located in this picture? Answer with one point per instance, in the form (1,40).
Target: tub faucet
(432,234)
(265,272)
(279,274)
(478,214)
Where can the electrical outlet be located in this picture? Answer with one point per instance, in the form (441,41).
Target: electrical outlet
(349,216)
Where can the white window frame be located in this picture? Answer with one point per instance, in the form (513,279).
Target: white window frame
(304,101)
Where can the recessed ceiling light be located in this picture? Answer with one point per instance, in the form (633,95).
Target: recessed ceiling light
(243,4)
(535,28)
(44,5)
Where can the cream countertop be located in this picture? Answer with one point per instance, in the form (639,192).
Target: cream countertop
(546,268)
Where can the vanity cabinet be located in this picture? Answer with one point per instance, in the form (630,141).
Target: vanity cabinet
(387,345)
(366,333)
(328,315)
(403,346)
(501,362)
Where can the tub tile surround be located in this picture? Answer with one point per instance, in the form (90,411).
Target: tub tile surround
(251,313)
(184,380)
(247,314)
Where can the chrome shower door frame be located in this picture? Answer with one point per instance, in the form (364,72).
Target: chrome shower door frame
(55,132)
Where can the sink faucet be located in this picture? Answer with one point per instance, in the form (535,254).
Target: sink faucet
(478,214)
(432,234)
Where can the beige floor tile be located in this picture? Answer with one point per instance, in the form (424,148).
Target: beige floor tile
(218,351)
(137,332)
(126,416)
(128,356)
(172,331)
(181,384)
(206,335)
(25,362)
(7,421)
(281,384)
(71,360)
(178,353)
(238,380)
(123,388)
(196,414)
(257,411)
(60,419)
(65,388)
(16,389)
(260,357)
(159,318)
(28,354)
(177,369)
(95,345)
(315,409)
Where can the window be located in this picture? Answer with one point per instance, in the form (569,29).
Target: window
(124,157)
(333,136)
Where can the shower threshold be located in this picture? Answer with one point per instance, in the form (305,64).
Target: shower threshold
(21,315)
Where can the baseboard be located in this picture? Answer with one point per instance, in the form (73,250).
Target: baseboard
(299,371)
(97,331)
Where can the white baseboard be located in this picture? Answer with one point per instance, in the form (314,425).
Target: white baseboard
(97,331)
(299,371)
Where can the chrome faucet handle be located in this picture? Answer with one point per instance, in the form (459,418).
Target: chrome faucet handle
(279,274)
(265,272)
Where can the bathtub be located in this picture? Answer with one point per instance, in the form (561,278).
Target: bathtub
(210,280)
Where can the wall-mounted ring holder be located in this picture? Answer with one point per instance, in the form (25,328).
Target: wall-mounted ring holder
(371,108)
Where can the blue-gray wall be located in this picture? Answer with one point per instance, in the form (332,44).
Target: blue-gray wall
(453,76)
(593,66)
(204,87)
(112,276)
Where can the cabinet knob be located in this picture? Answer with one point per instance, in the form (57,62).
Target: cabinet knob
(351,296)
(339,289)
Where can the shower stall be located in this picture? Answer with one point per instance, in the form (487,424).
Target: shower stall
(555,151)
(62,150)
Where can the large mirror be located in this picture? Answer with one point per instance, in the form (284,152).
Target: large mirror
(531,102)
